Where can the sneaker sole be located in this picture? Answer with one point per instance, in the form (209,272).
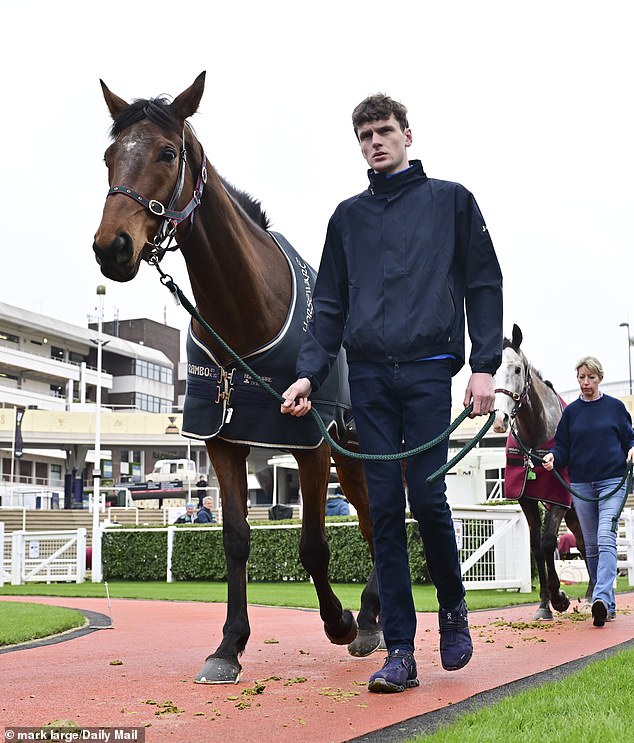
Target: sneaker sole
(382,686)
(599,614)
(462,665)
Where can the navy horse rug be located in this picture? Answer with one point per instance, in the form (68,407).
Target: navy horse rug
(227,402)
(522,479)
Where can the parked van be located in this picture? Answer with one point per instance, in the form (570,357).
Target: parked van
(169,470)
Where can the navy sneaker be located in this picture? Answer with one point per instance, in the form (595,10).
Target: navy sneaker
(599,613)
(398,673)
(611,615)
(456,647)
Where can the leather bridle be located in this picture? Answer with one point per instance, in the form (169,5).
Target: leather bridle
(520,398)
(170,217)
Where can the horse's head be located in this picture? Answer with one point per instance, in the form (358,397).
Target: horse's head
(511,381)
(151,176)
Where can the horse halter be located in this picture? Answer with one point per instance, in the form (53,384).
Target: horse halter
(171,218)
(520,398)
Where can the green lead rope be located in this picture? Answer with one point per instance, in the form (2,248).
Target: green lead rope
(167,281)
(627,478)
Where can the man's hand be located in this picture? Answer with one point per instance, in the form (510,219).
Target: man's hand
(296,400)
(481,393)
(548,462)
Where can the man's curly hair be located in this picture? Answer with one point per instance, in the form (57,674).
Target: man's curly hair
(376,108)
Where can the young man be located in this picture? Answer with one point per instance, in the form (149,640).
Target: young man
(400,264)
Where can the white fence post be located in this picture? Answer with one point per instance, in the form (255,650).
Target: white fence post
(2,553)
(81,555)
(17,558)
(96,566)
(628,518)
(171,531)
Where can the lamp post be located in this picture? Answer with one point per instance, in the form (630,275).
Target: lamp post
(629,350)
(96,494)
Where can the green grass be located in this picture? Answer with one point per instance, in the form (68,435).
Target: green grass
(594,704)
(272,594)
(21,622)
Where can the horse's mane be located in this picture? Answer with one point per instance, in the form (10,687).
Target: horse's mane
(158,111)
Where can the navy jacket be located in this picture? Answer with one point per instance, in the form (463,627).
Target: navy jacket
(401,263)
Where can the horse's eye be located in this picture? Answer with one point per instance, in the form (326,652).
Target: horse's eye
(518,369)
(105,161)
(167,155)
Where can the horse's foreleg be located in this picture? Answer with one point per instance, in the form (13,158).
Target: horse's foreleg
(533,518)
(370,636)
(558,598)
(222,666)
(572,522)
(314,470)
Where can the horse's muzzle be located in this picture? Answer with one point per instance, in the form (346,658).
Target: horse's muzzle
(501,423)
(116,261)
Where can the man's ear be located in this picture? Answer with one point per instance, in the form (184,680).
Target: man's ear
(408,137)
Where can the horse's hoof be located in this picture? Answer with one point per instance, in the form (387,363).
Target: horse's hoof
(366,642)
(349,628)
(219,671)
(561,603)
(543,614)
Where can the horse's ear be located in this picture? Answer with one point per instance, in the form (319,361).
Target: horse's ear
(186,104)
(517,337)
(115,104)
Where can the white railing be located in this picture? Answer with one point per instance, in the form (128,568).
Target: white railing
(625,544)
(48,556)
(493,542)
(3,557)
(494,547)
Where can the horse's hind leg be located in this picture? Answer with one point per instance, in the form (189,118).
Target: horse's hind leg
(314,471)
(572,522)
(554,515)
(352,479)
(533,518)
(222,666)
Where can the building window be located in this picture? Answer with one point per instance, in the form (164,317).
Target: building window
(156,372)
(57,353)
(9,337)
(151,403)
(56,476)
(57,390)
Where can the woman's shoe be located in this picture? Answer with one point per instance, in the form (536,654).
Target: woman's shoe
(599,613)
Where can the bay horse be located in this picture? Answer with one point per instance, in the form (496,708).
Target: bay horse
(165,195)
(529,409)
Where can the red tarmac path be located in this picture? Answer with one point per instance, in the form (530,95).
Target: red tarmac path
(312,690)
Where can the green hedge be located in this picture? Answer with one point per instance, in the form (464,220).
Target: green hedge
(198,554)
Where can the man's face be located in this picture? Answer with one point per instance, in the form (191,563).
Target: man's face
(384,145)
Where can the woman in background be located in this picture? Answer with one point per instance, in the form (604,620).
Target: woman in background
(595,441)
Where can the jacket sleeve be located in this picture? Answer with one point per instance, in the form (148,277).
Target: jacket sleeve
(322,341)
(483,288)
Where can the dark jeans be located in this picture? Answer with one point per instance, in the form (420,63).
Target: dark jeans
(407,404)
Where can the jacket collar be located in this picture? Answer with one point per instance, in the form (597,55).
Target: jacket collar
(381,184)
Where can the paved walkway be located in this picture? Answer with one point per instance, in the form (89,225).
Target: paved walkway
(295,686)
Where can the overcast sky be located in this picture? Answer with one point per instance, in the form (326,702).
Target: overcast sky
(527,104)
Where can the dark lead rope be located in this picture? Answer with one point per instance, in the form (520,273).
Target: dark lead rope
(167,281)
(627,479)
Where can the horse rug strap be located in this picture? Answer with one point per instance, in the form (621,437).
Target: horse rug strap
(522,479)
(229,403)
